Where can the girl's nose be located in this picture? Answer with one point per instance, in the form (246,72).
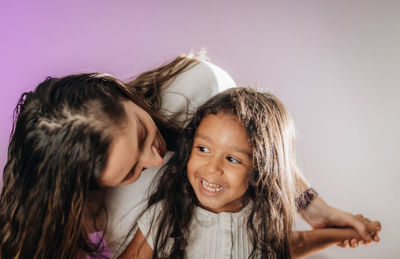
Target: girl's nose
(213,166)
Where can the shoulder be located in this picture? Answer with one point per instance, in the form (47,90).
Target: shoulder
(130,200)
(148,222)
(125,204)
(205,75)
(151,214)
(194,86)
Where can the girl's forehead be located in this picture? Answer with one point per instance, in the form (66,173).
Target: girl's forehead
(224,120)
(214,119)
(224,129)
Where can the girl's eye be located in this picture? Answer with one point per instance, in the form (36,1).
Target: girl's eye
(203,149)
(233,160)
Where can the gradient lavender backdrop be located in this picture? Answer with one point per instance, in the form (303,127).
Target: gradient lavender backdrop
(335,65)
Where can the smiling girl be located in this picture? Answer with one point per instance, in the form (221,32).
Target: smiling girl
(229,190)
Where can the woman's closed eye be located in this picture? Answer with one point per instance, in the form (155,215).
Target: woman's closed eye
(142,135)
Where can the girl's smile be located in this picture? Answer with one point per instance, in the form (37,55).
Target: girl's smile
(220,163)
(208,188)
(211,187)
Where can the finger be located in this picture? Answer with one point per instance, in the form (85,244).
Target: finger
(378,225)
(361,228)
(346,244)
(376,238)
(341,244)
(353,243)
(374,228)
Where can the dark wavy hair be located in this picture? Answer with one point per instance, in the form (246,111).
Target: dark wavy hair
(271,185)
(58,150)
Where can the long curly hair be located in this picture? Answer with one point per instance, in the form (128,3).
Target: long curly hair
(272,188)
(58,150)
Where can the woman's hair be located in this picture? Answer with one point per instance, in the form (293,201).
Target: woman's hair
(58,150)
(271,184)
(149,87)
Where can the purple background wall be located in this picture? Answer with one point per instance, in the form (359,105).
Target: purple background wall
(335,65)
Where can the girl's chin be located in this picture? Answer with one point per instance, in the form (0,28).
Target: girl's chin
(208,199)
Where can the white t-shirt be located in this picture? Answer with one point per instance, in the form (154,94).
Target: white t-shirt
(125,203)
(219,236)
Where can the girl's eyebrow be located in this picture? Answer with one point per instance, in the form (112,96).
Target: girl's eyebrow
(199,135)
(235,148)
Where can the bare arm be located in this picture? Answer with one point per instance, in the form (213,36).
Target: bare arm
(318,214)
(306,243)
(138,248)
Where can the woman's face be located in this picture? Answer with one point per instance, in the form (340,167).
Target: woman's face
(220,163)
(137,147)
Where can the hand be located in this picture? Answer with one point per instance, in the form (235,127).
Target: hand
(373,227)
(320,215)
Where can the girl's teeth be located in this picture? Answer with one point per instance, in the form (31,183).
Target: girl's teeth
(211,186)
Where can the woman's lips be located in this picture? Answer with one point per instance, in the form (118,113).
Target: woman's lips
(161,151)
(130,177)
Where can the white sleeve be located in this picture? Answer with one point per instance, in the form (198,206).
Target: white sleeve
(147,223)
(194,87)
(124,205)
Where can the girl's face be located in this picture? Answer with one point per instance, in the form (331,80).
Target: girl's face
(220,163)
(138,147)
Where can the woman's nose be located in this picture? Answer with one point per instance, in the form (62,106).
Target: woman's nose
(152,158)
